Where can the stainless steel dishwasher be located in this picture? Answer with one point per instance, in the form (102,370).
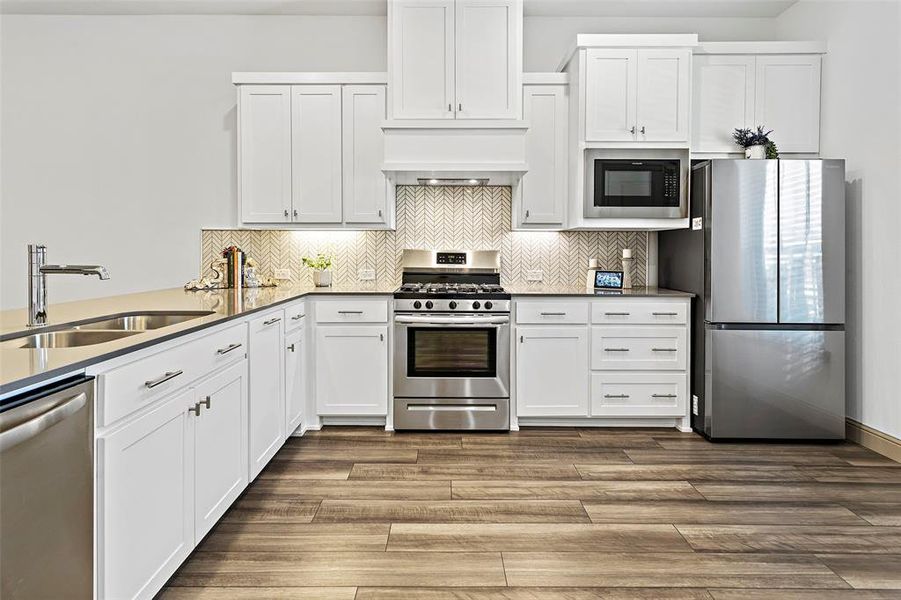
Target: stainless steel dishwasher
(46,492)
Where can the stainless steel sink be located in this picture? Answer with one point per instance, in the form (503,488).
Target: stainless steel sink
(73,338)
(141,321)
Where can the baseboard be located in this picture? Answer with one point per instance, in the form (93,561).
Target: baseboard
(875,440)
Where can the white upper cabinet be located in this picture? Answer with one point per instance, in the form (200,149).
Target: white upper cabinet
(663,91)
(365,186)
(421,55)
(723,100)
(265,153)
(316,153)
(637,95)
(487,59)
(788,100)
(542,191)
(455,59)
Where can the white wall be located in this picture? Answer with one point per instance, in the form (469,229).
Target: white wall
(118,134)
(861,122)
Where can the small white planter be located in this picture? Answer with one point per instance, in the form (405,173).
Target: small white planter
(322,278)
(755,152)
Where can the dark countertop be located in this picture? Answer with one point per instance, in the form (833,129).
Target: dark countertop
(583,292)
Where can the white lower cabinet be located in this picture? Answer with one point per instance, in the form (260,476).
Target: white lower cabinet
(145,500)
(352,370)
(295,378)
(267,390)
(220,445)
(552,371)
(643,348)
(631,394)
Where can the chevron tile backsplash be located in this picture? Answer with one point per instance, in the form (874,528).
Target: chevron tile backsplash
(470,218)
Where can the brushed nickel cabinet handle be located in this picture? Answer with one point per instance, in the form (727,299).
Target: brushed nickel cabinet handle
(380,213)
(350,312)
(168,376)
(664,396)
(521,339)
(616,349)
(617,314)
(552,314)
(195,409)
(297,317)
(460,107)
(664,350)
(450,108)
(291,347)
(665,314)
(632,131)
(205,402)
(616,395)
(228,348)
(381,337)
(527,214)
(271,321)
(286,212)
(295,212)
(642,129)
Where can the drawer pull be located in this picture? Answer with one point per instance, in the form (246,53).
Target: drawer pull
(228,349)
(291,347)
(665,314)
(664,396)
(166,377)
(195,409)
(350,312)
(616,349)
(664,350)
(205,402)
(617,314)
(552,314)
(297,317)
(271,321)
(616,395)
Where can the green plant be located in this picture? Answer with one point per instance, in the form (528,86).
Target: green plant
(771,150)
(748,137)
(321,262)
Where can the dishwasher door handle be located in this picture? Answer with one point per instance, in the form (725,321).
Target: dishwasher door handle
(29,429)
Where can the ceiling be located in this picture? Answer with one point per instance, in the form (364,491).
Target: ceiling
(533,8)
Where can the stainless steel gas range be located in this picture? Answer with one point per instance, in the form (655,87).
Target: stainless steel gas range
(451,342)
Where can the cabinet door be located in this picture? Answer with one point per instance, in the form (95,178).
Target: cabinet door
(295,378)
(543,187)
(662,96)
(352,370)
(316,153)
(220,445)
(267,401)
(146,502)
(722,99)
(788,100)
(365,185)
(552,371)
(421,58)
(610,95)
(488,51)
(264,125)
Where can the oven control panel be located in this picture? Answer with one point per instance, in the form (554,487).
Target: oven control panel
(452,305)
(450,258)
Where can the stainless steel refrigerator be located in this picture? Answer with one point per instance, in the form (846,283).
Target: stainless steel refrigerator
(765,256)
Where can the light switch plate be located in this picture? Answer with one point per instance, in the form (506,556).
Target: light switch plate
(694,405)
(535,275)
(283,273)
(366,274)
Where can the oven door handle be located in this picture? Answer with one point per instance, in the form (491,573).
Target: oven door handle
(424,320)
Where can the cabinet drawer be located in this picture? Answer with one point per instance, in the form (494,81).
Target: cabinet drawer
(552,312)
(638,394)
(135,385)
(352,311)
(295,315)
(639,313)
(638,348)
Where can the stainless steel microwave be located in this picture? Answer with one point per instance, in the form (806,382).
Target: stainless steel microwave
(640,188)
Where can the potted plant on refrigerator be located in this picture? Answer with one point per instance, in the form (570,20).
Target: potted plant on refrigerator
(757,144)
(321,265)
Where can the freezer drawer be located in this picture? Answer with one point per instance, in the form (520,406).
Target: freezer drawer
(775,383)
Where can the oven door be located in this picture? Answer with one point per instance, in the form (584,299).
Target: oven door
(451,356)
(636,188)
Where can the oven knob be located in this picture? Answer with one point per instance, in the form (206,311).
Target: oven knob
(429,304)
(452,305)
(488,305)
(417,304)
(476,305)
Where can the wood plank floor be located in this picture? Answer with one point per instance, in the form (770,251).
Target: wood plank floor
(567,514)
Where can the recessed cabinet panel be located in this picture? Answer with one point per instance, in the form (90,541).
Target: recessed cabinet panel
(295,378)
(487,65)
(422,59)
(638,348)
(543,187)
(316,153)
(365,185)
(352,370)
(663,92)
(267,402)
(552,371)
(788,100)
(610,95)
(638,394)
(722,99)
(265,153)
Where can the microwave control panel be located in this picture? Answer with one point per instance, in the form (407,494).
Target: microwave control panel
(671,184)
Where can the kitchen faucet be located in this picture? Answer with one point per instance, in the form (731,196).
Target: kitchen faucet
(37,281)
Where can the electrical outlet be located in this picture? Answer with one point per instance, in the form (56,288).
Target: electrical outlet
(535,275)
(366,274)
(283,273)
(694,405)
